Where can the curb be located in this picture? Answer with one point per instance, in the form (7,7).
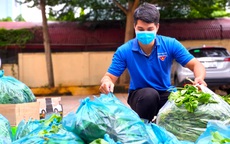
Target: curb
(71,90)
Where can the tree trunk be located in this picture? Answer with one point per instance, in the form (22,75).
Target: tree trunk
(129,30)
(46,39)
(129,34)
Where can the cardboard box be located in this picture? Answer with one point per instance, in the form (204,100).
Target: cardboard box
(49,105)
(15,113)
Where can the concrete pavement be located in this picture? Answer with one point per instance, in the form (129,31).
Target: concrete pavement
(71,103)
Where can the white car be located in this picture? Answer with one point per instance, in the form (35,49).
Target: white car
(216,61)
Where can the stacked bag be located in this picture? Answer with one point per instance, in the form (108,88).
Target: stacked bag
(197,118)
(104,120)
(108,116)
(189,110)
(13,91)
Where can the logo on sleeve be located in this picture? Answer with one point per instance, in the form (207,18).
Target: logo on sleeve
(162,56)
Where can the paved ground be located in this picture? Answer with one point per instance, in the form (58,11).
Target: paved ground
(71,103)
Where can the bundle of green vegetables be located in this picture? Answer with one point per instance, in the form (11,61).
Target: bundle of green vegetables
(218,138)
(188,110)
(226,98)
(217,132)
(13,91)
(46,131)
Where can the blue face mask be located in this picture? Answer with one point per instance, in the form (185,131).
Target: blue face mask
(145,37)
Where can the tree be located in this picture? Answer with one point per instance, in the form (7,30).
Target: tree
(7,19)
(98,10)
(47,44)
(42,4)
(19,18)
(190,9)
(128,11)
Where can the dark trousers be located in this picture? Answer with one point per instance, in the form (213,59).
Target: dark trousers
(146,102)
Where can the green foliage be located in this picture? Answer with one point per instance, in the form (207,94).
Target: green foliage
(191,97)
(192,9)
(15,37)
(95,10)
(7,19)
(226,98)
(19,18)
(220,14)
(218,138)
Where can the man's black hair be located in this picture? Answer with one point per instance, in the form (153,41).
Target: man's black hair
(148,13)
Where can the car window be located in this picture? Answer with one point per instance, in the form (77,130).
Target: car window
(209,52)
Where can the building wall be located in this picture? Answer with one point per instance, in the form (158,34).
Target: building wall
(70,69)
(75,68)
(193,43)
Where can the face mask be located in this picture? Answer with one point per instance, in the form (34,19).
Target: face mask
(145,37)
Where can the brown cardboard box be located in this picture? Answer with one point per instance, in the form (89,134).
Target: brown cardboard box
(15,113)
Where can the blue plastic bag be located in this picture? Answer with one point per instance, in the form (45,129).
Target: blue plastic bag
(5,131)
(13,91)
(109,140)
(152,135)
(189,126)
(46,131)
(162,136)
(222,127)
(107,115)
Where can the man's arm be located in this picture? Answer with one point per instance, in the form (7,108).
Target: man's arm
(198,70)
(107,83)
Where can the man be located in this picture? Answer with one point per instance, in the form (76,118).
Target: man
(149,58)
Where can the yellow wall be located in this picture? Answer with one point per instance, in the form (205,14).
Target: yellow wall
(193,43)
(70,69)
(10,70)
(75,68)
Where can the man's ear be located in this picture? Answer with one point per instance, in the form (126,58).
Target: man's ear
(157,26)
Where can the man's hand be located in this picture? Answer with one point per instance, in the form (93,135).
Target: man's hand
(106,87)
(107,83)
(199,81)
(198,70)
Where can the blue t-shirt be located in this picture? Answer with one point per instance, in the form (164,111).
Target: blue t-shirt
(153,71)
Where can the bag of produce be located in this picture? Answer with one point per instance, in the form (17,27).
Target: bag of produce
(107,115)
(5,131)
(13,91)
(160,135)
(189,109)
(216,132)
(106,140)
(99,141)
(49,130)
(226,98)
